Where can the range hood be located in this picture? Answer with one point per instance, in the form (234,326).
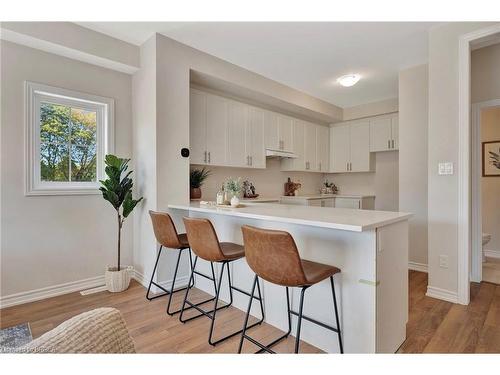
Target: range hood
(280,154)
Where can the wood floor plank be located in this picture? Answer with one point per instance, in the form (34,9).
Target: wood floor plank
(434,326)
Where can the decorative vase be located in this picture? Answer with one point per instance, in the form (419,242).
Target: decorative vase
(117,281)
(195,193)
(235,201)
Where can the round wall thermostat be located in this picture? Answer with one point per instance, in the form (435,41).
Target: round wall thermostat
(185,152)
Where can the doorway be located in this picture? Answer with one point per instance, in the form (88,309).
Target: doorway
(485,234)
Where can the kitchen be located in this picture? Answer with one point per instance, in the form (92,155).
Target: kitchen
(232,138)
(327,185)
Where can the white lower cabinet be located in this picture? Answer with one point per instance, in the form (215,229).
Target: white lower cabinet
(361,202)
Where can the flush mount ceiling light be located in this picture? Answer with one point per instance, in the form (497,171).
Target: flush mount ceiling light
(349,80)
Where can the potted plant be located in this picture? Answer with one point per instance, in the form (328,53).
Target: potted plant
(196,179)
(117,190)
(233,186)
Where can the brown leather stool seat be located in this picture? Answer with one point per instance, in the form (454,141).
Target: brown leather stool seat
(274,257)
(205,244)
(167,236)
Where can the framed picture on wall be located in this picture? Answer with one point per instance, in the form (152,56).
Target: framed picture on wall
(491,159)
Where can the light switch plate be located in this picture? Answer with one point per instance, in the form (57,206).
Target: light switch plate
(445,168)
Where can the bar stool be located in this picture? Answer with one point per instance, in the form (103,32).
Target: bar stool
(205,244)
(274,257)
(167,236)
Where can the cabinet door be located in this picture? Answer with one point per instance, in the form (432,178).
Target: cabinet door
(255,138)
(347,203)
(360,147)
(380,134)
(340,148)
(299,164)
(310,147)
(236,129)
(395,132)
(197,127)
(314,202)
(328,202)
(216,130)
(271,131)
(285,125)
(322,148)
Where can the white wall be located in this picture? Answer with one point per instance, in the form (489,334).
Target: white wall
(144,151)
(413,125)
(371,109)
(49,240)
(443,146)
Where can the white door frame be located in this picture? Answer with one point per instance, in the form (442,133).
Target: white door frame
(476,274)
(464,159)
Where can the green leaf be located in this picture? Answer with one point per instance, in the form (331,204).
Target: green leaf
(129,204)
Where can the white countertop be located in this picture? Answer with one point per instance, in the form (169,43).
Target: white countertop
(335,218)
(326,196)
(260,200)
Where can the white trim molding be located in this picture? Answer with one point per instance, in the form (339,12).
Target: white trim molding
(181,282)
(492,253)
(464,154)
(445,295)
(420,267)
(60,50)
(50,291)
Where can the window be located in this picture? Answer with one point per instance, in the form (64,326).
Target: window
(68,134)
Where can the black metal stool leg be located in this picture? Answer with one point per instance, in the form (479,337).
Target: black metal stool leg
(172,289)
(243,332)
(217,292)
(299,321)
(151,282)
(339,332)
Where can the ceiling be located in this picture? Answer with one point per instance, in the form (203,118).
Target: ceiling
(308,56)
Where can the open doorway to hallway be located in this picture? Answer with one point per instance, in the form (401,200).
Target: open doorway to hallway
(485,96)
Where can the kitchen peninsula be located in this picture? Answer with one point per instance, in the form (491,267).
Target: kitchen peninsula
(370,247)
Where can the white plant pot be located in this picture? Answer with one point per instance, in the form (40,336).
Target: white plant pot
(117,281)
(235,201)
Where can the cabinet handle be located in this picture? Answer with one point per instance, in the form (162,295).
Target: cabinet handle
(319,165)
(388,143)
(205,159)
(392,144)
(251,160)
(350,167)
(208,157)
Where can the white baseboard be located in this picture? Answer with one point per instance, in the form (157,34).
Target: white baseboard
(445,295)
(179,283)
(50,291)
(491,253)
(420,267)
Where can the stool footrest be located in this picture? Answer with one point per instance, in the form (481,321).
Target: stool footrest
(315,321)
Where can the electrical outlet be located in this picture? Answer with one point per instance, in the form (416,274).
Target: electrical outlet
(443,261)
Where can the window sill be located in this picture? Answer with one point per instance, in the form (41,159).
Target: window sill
(62,191)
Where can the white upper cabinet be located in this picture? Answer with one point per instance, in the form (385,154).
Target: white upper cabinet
(255,138)
(384,133)
(350,147)
(271,130)
(298,163)
(198,127)
(395,132)
(237,118)
(322,148)
(340,148)
(310,147)
(285,125)
(216,130)
(360,160)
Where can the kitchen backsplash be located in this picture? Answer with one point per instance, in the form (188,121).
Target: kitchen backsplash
(269,182)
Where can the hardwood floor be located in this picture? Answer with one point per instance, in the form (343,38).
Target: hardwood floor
(434,326)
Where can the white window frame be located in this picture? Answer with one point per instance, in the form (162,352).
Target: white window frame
(104,107)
